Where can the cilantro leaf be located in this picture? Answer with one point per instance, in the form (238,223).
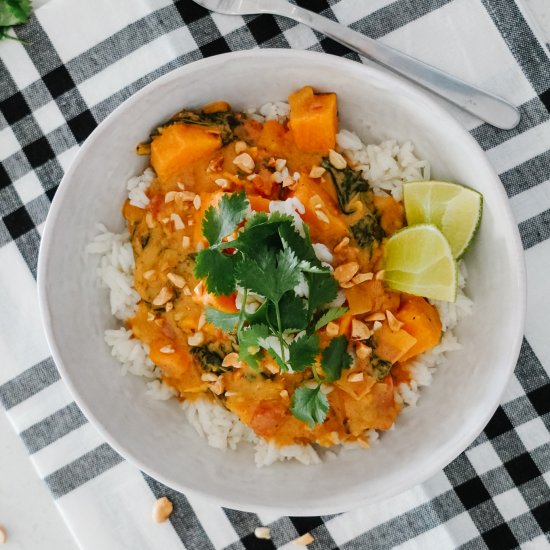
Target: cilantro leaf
(330,315)
(218,269)
(261,230)
(335,358)
(224,321)
(259,317)
(278,359)
(269,274)
(249,347)
(293,312)
(303,351)
(223,220)
(301,246)
(14,12)
(322,290)
(309,405)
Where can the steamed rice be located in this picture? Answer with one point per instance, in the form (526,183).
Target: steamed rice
(385,166)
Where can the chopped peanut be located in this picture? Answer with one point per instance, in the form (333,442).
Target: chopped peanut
(316,172)
(245,162)
(262,533)
(337,160)
(362,351)
(240,147)
(341,245)
(177,280)
(394,323)
(344,273)
(196,340)
(231,360)
(359,331)
(162,509)
(362,277)
(163,296)
(304,540)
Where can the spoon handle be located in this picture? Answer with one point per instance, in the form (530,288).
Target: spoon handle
(484,105)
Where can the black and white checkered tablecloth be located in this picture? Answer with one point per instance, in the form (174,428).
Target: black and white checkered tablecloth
(77,61)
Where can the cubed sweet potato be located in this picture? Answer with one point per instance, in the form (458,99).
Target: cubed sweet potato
(179,145)
(422,321)
(392,346)
(313,120)
(371,296)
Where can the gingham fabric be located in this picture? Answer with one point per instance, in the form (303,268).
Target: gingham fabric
(77,61)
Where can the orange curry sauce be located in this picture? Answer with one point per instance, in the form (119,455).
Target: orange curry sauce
(194,164)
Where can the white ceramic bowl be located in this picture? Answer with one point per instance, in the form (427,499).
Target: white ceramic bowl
(154,435)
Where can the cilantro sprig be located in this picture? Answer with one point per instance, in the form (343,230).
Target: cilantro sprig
(265,254)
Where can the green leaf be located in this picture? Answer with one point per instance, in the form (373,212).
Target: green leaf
(335,358)
(330,315)
(303,352)
(218,269)
(224,321)
(309,405)
(261,230)
(259,317)
(278,359)
(223,220)
(301,246)
(249,347)
(323,288)
(14,12)
(269,274)
(293,311)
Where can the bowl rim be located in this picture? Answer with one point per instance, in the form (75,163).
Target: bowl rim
(441,458)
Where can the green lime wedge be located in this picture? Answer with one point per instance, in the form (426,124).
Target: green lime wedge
(418,260)
(453,208)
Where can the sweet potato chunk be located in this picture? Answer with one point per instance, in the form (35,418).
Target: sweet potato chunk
(179,145)
(392,346)
(371,296)
(320,207)
(313,120)
(421,320)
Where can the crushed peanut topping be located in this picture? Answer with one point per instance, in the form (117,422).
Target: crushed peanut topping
(316,172)
(344,273)
(337,160)
(359,331)
(341,245)
(177,280)
(162,509)
(196,339)
(240,147)
(163,296)
(304,540)
(262,533)
(394,323)
(244,162)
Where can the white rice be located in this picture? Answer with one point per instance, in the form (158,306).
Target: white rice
(385,166)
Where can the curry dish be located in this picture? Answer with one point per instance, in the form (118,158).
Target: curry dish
(222,174)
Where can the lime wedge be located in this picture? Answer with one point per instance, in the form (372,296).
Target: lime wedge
(418,260)
(453,208)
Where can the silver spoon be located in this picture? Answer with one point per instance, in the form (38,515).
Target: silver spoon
(484,105)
